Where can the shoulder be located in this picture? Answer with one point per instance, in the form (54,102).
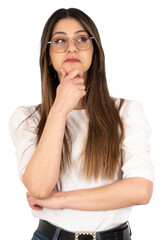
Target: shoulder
(132,114)
(24,117)
(128,106)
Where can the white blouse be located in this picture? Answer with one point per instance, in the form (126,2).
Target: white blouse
(135,162)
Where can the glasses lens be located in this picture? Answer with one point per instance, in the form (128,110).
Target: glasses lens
(59,45)
(83,42)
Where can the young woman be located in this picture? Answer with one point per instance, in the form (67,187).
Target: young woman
(83,156)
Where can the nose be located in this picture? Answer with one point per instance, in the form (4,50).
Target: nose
(71,46)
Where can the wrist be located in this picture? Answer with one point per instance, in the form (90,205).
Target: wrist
(65,199)
(58,112)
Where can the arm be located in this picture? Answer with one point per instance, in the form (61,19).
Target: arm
(42,171)
(124,193)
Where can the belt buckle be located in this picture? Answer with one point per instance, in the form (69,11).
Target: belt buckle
(93,234)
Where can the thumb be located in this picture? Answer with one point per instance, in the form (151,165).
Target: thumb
(63,73)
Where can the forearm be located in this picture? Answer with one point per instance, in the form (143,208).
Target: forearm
(125,193)
(42,171)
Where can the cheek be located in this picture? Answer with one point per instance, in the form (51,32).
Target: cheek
(88,60)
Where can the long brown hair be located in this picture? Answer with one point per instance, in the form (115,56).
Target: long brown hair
(105,131)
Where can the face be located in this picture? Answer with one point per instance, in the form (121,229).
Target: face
(69,29)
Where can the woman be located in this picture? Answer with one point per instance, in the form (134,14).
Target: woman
(83,155)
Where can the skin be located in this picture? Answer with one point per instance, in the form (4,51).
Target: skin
(124,193)
(70,29)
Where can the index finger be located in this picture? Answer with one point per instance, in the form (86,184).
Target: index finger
(63,74)
(75,73)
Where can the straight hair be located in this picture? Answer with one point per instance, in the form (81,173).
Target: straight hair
(102,148)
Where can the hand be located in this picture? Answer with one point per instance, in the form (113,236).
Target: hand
(53,201)
(70,90)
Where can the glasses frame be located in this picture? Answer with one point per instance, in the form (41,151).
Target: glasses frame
(90,38)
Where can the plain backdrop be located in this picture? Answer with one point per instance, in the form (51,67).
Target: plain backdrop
(131,33)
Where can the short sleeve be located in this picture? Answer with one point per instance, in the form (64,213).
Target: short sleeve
(23,129)
(136,147)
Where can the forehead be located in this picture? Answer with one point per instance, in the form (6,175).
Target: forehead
(68,25)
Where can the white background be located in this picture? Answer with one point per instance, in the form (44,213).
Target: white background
(131,33)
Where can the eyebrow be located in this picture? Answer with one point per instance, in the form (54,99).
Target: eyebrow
(79,31)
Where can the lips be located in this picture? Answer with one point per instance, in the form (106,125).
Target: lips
(72,60)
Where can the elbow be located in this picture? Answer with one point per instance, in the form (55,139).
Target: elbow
(145,193)
(39,193)
(37,190)
(146,198)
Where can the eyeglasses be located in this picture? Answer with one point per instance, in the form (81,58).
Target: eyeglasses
(60,45)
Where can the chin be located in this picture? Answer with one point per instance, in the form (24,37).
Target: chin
(72,66)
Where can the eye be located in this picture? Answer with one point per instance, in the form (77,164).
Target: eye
(58,40)
(82,38)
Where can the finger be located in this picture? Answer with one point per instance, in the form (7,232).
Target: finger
(37,207)
(75,73)
(81,87)
(83,93)
(63,74)
(35,202)
(78,81)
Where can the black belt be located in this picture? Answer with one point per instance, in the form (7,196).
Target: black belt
(121,233)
